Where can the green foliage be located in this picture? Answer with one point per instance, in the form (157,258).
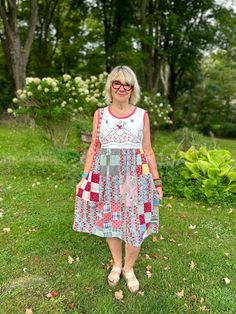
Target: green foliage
(208,172)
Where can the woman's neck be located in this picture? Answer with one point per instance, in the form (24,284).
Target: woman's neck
(121,106)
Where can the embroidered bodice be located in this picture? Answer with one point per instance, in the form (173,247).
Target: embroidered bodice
(122,132)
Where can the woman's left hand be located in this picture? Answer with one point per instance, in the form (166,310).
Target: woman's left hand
(160,192)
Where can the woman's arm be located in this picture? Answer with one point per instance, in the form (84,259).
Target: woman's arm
(147,147)
(92,148)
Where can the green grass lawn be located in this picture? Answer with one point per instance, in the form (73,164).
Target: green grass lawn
(37,189)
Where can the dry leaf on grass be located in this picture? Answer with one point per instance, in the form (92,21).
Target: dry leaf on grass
(148,267)
(204,309)
(201,300)
(119,295)
(172,240)
(52,294)
(28,310)
(161,237)
(226,254)
(154,255)
(192,265)
(149,274)
(226,280)
(169,205)
(140,293)
(70,306)
(70,260)
(6,229)
(154,238)
(146,256)
(180,294)
(192,227)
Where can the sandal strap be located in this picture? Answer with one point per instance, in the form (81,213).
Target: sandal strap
(116,269)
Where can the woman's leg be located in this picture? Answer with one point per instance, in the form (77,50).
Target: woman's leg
(131,255)
(115,246)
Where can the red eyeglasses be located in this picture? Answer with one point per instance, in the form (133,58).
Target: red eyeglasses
(117,84)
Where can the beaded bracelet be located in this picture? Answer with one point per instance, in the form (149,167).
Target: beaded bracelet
(84,175)
(157,182)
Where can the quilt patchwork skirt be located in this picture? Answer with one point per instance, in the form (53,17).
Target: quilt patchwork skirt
(120,199)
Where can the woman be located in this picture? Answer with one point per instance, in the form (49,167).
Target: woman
(119,193)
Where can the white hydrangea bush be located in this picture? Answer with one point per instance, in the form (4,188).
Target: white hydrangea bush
(72,99)
(158,110)
(64,98)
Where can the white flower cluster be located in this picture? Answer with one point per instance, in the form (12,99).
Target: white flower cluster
(158,109)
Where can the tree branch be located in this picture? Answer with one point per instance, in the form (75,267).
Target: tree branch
(32,26)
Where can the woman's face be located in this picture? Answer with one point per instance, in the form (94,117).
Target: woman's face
(120,89)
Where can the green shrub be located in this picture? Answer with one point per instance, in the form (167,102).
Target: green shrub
(208,174)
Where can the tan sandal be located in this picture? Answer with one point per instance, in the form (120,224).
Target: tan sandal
(131,280)
(114,276)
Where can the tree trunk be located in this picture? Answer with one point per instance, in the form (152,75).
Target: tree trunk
(17,55)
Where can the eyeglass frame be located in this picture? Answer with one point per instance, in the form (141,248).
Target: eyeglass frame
(127,90)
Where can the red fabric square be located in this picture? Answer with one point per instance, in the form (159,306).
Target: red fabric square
(116,224)
(115,207)
(95,177)
(80,192)
(94,197)
(141,219)
(147,207)
(88,186)
(107,217)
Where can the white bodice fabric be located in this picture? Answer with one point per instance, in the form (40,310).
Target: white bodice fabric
(122,132)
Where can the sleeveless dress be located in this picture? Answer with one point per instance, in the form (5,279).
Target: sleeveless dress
(127,203)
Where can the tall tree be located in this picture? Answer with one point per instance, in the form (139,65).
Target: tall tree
(17,52)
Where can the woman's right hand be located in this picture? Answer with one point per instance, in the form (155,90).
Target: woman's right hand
(79,185)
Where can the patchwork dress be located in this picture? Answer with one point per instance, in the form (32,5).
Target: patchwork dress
(122,201)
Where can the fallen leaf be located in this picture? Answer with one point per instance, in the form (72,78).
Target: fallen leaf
(146,256)
(180,294)
(192,265)
(172,240)
(226,254)
(148,267)
(179,244)
(25,269)
(204,309)
(6,229)
(52,294)
(165,258)
(201,300)
(161,237)
(70,260)
(154,255)
(118,295)
(192,227)
(140,293)
(70,306)
(154,238)
(149,274)
(169,205)
(28,310)
(226,280)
